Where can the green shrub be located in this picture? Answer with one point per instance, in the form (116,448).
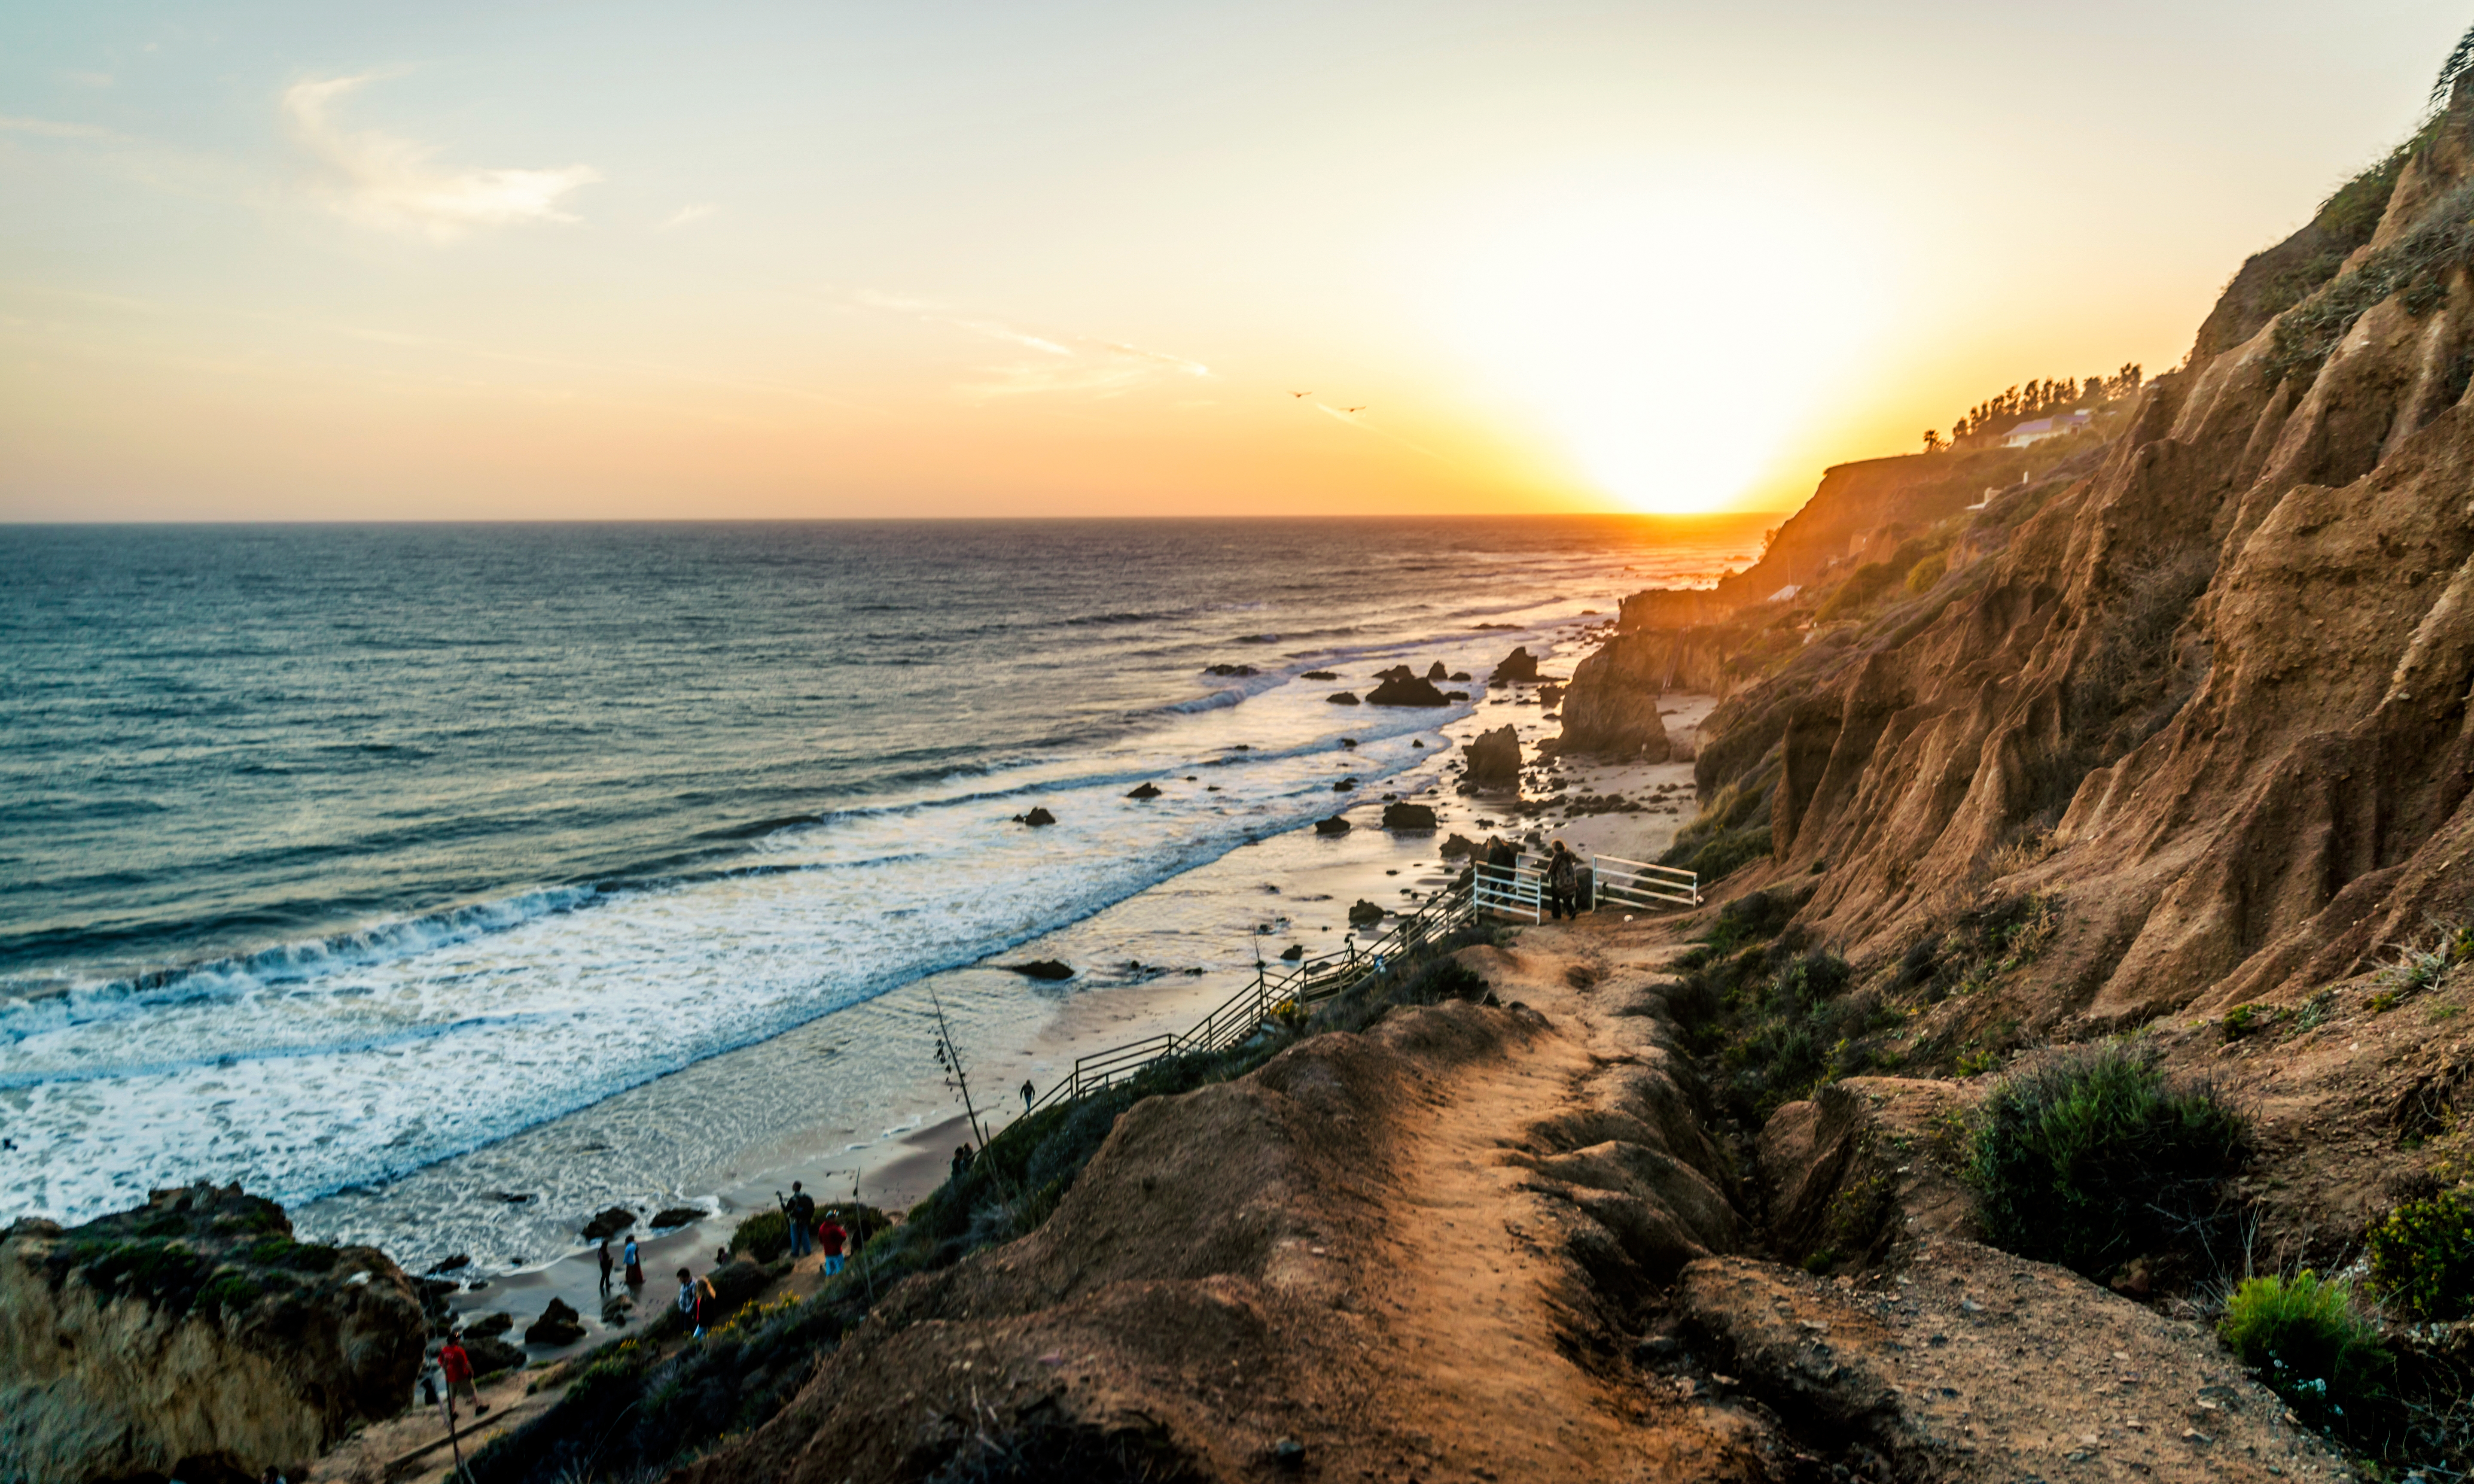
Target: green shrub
(762,1237)
(1861,586)
(2422,1256)
(2243,1019)
(2307,1342)
(2098,1157)
(1925,575)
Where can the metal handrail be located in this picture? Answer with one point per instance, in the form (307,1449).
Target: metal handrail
(1243,1015)
(1635,883)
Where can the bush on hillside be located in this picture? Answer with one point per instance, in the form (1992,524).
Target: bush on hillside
(2099,1156)
(2307,1342)
(1925,575)
(2422,1256)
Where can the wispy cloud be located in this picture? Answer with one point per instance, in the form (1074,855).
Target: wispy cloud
(53,128)
(1355,416)
(90,78)
(685,214)
(1066,364)
(395,185)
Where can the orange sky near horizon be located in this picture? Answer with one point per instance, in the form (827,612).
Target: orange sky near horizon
(289,262)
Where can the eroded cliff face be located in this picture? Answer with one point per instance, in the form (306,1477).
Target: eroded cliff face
(2213,695)
(193,1338)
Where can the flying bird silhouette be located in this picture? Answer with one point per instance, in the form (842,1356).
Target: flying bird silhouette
(1352,409)
(1301,394)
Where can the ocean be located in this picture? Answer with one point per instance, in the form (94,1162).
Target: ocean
(345,861)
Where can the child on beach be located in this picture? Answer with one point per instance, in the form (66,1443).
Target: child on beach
(830,1239)
(635,1267)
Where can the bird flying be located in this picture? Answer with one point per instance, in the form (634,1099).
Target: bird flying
(1301,394)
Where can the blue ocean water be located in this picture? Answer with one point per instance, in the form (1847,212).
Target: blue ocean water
(328,852)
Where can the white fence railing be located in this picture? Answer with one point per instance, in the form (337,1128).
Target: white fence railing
(1635,883)
(1515,891)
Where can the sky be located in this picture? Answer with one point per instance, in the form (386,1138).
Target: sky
(555,262)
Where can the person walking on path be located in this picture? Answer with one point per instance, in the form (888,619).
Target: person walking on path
(606,1267)
(831,1237)
(635,1264)
(1563,882)
(1026,1095)
(457,1366)
(801,1211)
(696,1298)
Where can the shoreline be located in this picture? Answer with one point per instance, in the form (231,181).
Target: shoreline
(1305,882)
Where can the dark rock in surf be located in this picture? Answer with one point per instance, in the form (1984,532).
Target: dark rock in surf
(1408,815)
(489,1326)
(1406,690)
(1415,743)
(1319,675)
(1234,671)
(1042,969)
(451,1265)
(1344,786)
(1456,695)
(1334,826)
(1459,845)
(1518,665)
(1036,818)
(1348,742)
(1460,677)
(559,1324)
(610,1222)
(1364,914)
(1437,672)
(1341,698)
(1293,952)
(1145,791)
(677,1217)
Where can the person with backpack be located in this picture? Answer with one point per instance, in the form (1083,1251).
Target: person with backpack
(1563,882)
(801,1211)
(831,1237)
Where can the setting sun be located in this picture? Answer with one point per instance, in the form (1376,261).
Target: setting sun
(1666,367)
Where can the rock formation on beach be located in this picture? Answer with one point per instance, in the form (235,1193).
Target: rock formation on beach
(1518,666)
(1495,759)
(193,1337)
(1408,815)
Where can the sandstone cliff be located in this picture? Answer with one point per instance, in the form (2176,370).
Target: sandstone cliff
(194,1338)
(2213,693)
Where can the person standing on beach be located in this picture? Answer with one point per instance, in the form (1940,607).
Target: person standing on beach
(1563,882)
(606,1266)
(831,1237)
(801,1210)
(635,1266)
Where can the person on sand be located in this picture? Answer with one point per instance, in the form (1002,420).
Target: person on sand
(1026,1095)
(457,1366)
(607,1267)
(801,1210)
(1563,882)
(831,1238)
(635,1264)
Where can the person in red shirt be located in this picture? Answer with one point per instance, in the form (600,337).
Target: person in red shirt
(458,1368)
(831,1238)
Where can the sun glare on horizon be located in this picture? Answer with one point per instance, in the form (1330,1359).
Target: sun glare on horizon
(1666,333)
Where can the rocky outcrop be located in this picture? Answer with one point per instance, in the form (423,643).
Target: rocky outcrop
(559,1323)
(1144,791)
(1342,698)
(1337,824)
(1611,708)
(1406,690)
(1046,968)
(1404,815)
(1036,818)
(1495,759)
(193,1337)
(1518,666)
(608,1223)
